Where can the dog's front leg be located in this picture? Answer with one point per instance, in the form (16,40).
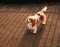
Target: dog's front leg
(29,25)
(35,29)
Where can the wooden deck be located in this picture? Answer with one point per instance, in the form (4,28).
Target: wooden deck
(14,31)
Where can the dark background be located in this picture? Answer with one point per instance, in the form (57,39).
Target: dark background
(28,1)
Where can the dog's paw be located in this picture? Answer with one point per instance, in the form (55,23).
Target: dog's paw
(34,32)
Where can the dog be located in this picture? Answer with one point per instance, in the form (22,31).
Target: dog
(33,22)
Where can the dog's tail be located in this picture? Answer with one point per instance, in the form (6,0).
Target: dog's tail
(44,9)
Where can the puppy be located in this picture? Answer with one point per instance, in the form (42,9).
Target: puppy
(34,22)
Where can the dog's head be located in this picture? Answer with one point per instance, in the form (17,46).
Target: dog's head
(32,21)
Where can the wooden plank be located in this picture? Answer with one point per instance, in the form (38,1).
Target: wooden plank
(56,42)
(3,27)
(9,28)
(12,35)
(15,40)
(51,31)
(58,45)
(19,30)
(16,31)
(6,29)
(13,30)
(3,16)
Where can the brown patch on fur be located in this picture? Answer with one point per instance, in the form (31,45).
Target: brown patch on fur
(41,17)
(32,21)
